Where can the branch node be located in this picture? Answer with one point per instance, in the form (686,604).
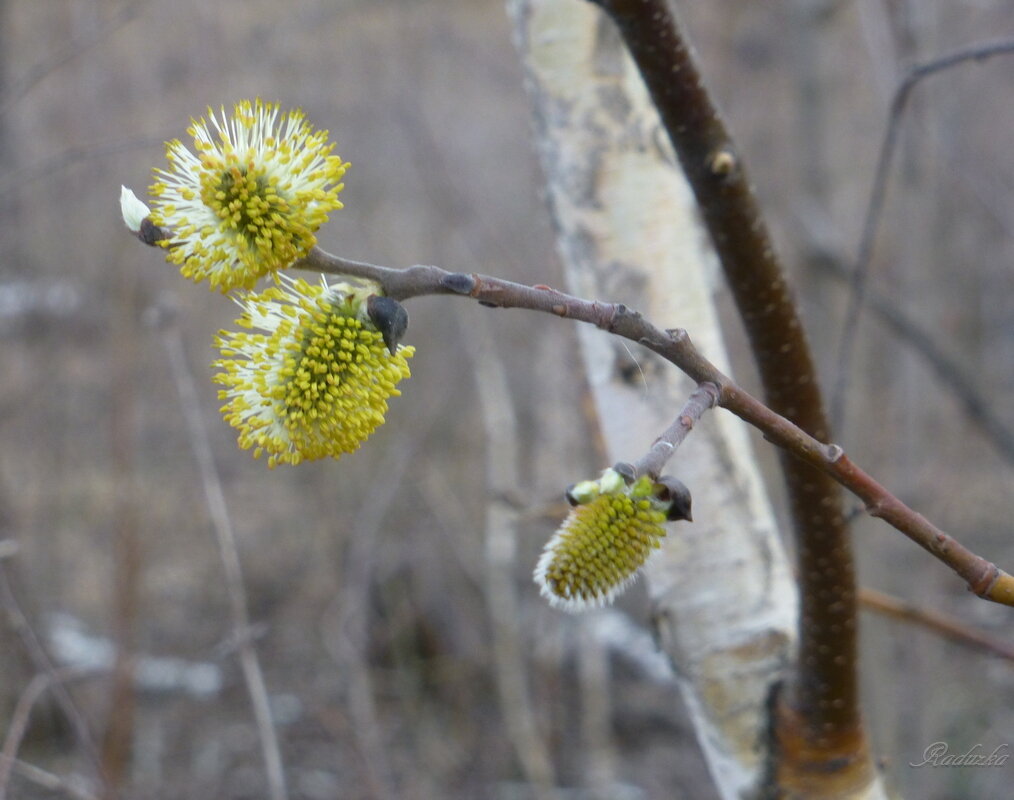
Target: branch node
(722,163)
(833,452)
(712,390)
(458,282)
(875,509)
(981,585)
(605,314)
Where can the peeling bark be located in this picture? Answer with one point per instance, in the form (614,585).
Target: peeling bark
(627,230)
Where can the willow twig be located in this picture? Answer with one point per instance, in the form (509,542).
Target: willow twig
(53,783)
(21,715)
(951,373)
(502,473)
(945,625)
(222,524)
(40,659)
(875,205)
(652,463)
(982,576)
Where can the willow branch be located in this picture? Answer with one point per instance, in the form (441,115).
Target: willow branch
(54,60)
(21,714)
(502,474)
(36,652)
(982,576)
(951,373)
(945,625)
(827,653)
(221,523)
(652,463)
(875,205)
(54,783)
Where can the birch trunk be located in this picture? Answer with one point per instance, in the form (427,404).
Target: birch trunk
(723,594)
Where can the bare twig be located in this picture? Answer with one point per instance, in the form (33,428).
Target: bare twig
(500,423)
(41,661)
(52,782)
(348,637)
(222,524)
(593,676)
(982,576)
(951,627)
(56,164)
(875,205)
(54,60)
(952,375)
(22,712)
(652,463)
(118,733)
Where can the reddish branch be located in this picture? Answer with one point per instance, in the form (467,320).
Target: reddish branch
(982,576)
(946,625)
(705,396)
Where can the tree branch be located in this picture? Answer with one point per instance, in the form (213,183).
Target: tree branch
(875,205)
(952,375)
(40,659)
(983,577)
(945,625)
(652,463)
(221,522)
(20,717)
(823,691)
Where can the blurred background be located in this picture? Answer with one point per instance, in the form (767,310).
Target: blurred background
(375,600)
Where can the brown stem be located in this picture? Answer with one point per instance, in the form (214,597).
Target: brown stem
(951,372)
(221,523)
(824,692)
(875,205)
(652,463)
(675,346)
(15,616)
(946,625)
(20,717)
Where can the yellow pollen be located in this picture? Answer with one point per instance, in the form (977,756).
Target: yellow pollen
(599,549)
(316,384)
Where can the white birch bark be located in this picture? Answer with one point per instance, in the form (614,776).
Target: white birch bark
(627,231)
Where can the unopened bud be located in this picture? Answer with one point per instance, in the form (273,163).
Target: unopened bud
(673,491)
(390,318)
(134,211)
